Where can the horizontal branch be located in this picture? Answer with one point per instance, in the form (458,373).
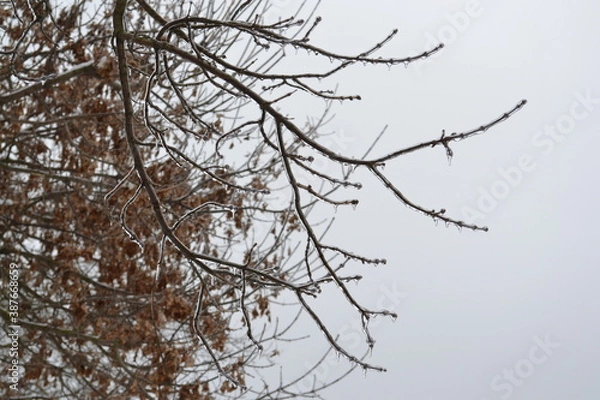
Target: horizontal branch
(84,68)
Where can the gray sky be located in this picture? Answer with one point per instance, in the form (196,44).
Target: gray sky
(508,314)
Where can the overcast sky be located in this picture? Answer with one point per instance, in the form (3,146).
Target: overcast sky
(513,313)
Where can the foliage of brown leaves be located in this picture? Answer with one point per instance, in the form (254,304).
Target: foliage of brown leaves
(97,319)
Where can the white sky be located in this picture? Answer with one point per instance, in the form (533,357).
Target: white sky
(475,309)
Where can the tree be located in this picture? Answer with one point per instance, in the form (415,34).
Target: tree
(157,194)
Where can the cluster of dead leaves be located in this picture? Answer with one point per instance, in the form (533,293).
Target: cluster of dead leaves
(92,305)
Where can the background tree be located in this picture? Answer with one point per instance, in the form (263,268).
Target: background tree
(157,190)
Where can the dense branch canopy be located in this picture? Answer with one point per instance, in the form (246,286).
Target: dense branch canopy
(157,193)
